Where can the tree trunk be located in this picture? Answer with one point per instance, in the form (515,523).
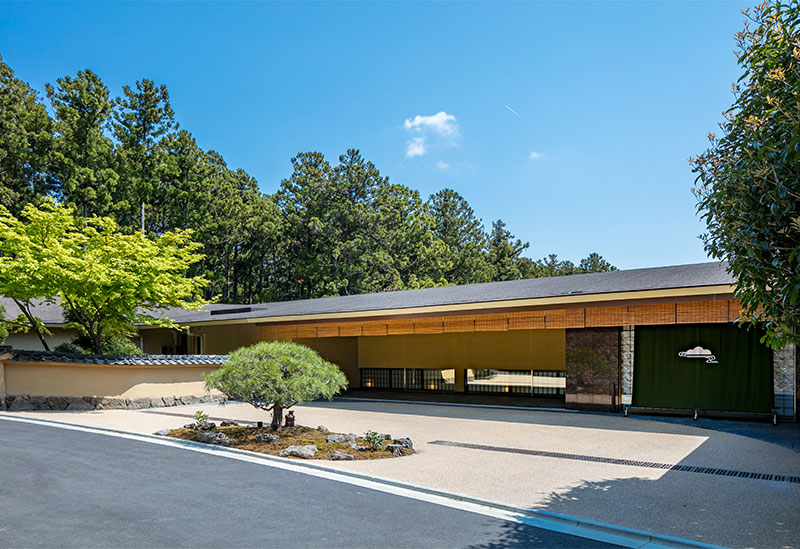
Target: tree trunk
(277,417)
(24,306)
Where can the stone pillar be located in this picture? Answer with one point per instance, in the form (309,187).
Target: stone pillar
(783,382)
(592,368)
(626,359)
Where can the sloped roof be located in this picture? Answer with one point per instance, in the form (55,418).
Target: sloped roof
(632,280)
(657,278)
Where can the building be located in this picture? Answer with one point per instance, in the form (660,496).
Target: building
(658,339)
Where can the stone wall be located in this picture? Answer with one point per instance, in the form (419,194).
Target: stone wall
(783,382)
(25,403)
(626,358)
(593,368)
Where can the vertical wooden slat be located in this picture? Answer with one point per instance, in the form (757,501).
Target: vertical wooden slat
(606,316)
(642,315)
(564,318)
(328,329)
(702,312)
(349,329)
(374,328)
(527,320)
(491,323)
(465,323)
(306,330)
(400,326)
(269,332)
(428,325)
(287,331)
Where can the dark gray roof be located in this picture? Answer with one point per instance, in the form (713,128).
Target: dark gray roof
(121,360)
(657,278)
(50,313)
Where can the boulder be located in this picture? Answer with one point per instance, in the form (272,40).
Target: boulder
(395,449)
(140,403)
(37,402)
(267,437)
(305,452)
(78,404)
(386,437)
(322,428)
(109,403)
(163,432)
(189,399)
(228,423)
(342,456)
(356,446)
(206,426)
(156,403)
(169,401)
(56,403)
(20,404)
(340,439)
(405,443)
(215,438)
(190,426)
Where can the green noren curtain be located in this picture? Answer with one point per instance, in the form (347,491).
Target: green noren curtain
(741,381)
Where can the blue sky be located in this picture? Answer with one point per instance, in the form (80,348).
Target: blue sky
(572,122)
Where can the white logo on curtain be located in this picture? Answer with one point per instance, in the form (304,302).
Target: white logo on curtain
(699,352)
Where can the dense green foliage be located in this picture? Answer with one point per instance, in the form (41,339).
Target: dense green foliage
(105,279)
(276,375)
(748,183)
(330,229)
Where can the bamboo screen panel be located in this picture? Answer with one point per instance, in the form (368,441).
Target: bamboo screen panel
(428,325)
(491,323)
(374,328)
(528,320)
(652,314)
(400,326)
(459,323)
(702,312)
(606,316)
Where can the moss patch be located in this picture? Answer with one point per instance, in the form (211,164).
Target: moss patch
(290,436)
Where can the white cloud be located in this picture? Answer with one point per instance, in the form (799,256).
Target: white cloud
(415,147)
(534,155)
(442,165)
(440,123)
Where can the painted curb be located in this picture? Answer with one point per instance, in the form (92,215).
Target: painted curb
(585,528)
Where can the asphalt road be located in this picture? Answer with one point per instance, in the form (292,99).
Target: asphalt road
(61,488)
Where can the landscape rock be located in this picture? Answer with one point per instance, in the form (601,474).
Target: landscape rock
(340,439)
(109,403)
(396,449)
(140,403)
(356,446)
(305,452)
(267,437)
(20,404)
(206,426)
(322,428)
(56,403)
(190,426)
(228,423)
(163,432)
(342,456)
(79,404)
(405,443)
(37,402)
(189,399)
(168,401)
(156,403)
(386,437)
(215,438)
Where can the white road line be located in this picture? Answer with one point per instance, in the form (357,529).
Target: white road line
(608,533)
